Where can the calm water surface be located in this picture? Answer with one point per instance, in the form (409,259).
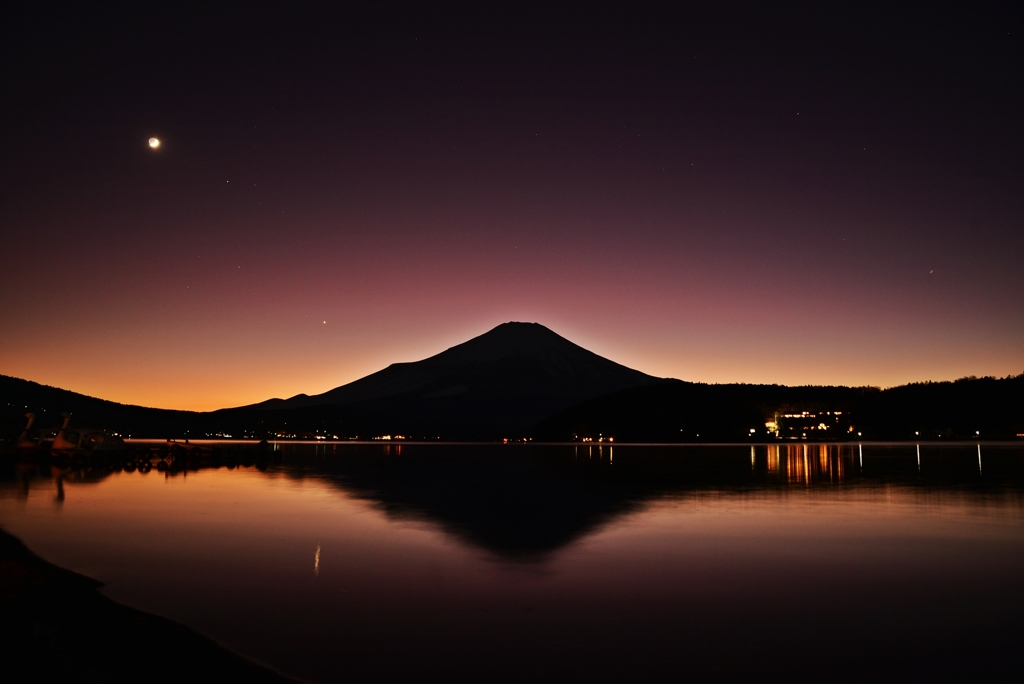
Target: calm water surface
(473,563)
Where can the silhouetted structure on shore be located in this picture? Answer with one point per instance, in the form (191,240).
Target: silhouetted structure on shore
(970,408)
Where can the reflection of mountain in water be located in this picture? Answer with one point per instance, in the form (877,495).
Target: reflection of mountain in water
(512,502)
(527,502)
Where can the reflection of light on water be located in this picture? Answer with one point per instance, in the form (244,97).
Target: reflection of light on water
(796,465)
(807,463)
(316,561)
(979,459)
(918,458)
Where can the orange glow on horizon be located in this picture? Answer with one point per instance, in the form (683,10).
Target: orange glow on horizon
(223,379)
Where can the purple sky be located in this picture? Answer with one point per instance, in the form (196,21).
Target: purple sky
(786,196)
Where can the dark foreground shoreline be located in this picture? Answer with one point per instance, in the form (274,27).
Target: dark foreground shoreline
(57,625)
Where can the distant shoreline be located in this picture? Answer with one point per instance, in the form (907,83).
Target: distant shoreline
(523,382)
(792,442)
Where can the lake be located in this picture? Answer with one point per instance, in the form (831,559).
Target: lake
(398,562)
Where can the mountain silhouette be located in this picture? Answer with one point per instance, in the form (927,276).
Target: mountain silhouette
(497,384)
(523,380)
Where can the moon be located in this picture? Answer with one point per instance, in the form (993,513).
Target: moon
(154,143)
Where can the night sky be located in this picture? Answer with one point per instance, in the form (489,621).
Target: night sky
(792,196)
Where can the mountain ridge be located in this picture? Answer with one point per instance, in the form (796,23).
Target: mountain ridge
(498,384)
(480,364)
(522,380)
